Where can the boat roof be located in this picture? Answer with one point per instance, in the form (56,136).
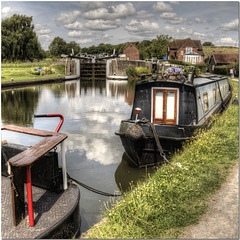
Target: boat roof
(206,80)
(199,81)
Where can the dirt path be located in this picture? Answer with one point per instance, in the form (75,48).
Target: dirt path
(221,221)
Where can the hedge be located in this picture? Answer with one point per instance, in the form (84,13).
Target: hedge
(225,70)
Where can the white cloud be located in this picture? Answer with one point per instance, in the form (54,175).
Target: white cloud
(167,15)
(199,20)
(74,34)
(7,12)
(178,32)
(101,25)
(162,7)
(197,34)
(232,26)
(67,18)
(113,12)
(142,27)
(74,26)
(143,15)
(178,20)
(84,41)
(227,41)
(42,29)
(93,5)
(45,40)
(183,30)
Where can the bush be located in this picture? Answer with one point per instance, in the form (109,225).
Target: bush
(179,63)
(225,70)
(35,71)
(202,66)
(222,70)
(142,70)
(132,73)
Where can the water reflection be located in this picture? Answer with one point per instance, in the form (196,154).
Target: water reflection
(127,177)
(18,106)
(92,111)
(121,88)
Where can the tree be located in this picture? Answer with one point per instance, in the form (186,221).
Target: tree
(57,47)
(159,46)
(19,41)
(208,44)
(73,46)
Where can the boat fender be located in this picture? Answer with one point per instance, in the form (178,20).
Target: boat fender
(135,132)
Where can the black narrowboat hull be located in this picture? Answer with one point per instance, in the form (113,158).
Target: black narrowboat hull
(144,150)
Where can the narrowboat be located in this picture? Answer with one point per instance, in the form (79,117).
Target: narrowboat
(166,113)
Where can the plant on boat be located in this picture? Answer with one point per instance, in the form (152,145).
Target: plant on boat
(174,71)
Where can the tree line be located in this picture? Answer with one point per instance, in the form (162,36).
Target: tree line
(20,42)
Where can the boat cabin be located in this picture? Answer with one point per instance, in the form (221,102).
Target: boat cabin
(171,102)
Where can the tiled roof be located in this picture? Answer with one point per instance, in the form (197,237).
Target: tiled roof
(130,45)
(178,43)
(225,58)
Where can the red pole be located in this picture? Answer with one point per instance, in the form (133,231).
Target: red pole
(53,115)
(61,120)
(29,196)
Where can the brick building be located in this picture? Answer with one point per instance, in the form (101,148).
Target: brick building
(131,52)
(186,50)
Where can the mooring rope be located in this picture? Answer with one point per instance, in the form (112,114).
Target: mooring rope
(161,152)
(93,189)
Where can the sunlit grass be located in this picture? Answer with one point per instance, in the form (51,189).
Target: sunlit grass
(176,195)
(28,71)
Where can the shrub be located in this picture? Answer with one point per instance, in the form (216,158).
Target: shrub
(132,73)
(223,70)
(142,70)
(35,71)
(179,63)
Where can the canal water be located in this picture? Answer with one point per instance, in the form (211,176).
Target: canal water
(92,113)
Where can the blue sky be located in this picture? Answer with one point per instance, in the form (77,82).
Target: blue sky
(93,22)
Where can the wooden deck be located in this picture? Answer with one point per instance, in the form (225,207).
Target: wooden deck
(56,215)
(29,156)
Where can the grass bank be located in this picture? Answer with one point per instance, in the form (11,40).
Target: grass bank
(209,50)
(29,71)
(176,195)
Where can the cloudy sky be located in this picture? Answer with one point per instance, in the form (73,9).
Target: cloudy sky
(93,22)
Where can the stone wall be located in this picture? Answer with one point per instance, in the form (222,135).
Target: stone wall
(70,67)
(118,67)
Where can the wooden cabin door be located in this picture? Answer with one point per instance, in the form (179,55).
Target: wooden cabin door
(165,106)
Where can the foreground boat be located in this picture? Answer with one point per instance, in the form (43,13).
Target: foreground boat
(37,200)
(170,112)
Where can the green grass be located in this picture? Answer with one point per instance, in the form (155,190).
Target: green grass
(209,50)
(176,195)
(28,71)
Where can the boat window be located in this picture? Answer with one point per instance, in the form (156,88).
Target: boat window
(214,96)
(205,102)
(159,105)
(164,106)
(170,105)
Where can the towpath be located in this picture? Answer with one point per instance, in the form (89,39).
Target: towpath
(221,221)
